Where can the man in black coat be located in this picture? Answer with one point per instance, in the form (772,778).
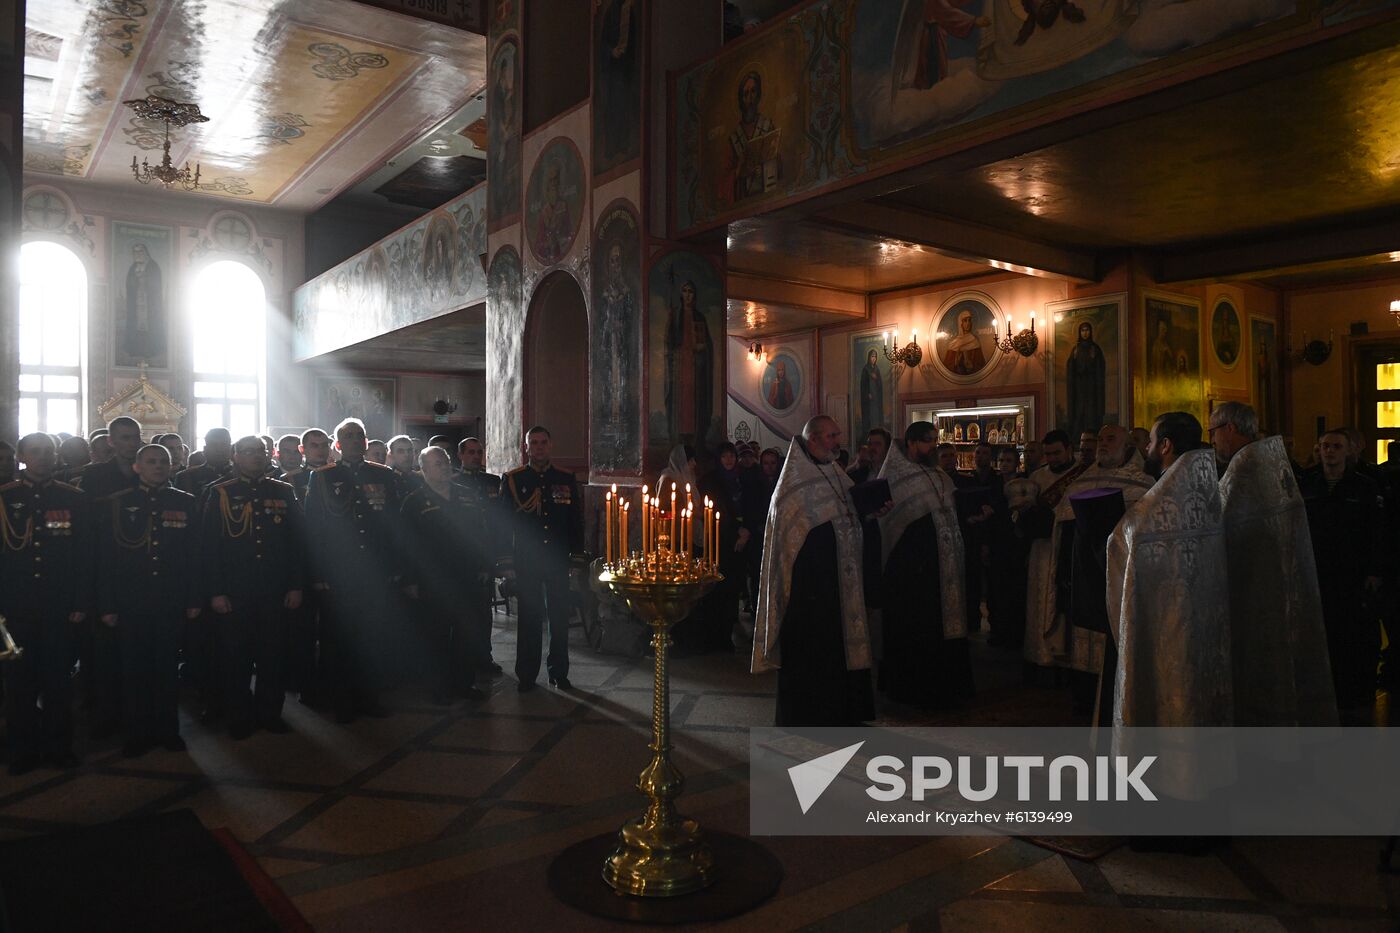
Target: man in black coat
(352,510)
(547,527)
(146,586)
(446,569)
(1345,516)
(46,562)
(252,552)
(215,468)
(493,535)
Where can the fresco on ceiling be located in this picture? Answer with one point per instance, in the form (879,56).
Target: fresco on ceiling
(1086,363)
(850,84)
(554,201)
(616,390)
(142,270)
(617,84)
(1172,376)
(503,133)
(425,270)
(505,323)
(685,342)
(1264,376)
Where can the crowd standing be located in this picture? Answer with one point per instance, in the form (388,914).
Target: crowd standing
(333,566)
(254,567)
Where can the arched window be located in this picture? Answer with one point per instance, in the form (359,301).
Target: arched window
(52,339)
(229,312)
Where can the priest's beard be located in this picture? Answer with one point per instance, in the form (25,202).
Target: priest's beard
(1152,466)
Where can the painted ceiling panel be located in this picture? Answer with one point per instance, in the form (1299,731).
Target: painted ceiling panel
(807,252)
(303,96)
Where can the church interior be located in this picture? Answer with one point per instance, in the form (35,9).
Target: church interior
(644,224)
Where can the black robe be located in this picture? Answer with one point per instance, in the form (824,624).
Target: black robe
(814,686)
(921,667)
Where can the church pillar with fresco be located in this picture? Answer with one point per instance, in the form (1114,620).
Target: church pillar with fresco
(579,259)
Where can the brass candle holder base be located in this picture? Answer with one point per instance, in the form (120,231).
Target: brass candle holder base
(660,854)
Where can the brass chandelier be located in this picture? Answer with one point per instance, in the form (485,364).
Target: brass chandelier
(171,113)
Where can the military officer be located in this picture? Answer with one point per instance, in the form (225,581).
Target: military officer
(215,468)
(546,527)
(313,453)
(252,551)
(289,459)
(351,511)
(447,566)
(146,585)
(401,458)
(485,489)
(45,590)
(100,480)
(316,451)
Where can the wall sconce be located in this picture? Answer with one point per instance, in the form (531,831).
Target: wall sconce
(755,352)
(1024,342)
(1395,311)
(911,355)
(1315,352)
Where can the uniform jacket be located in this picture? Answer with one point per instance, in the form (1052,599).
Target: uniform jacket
(45,549)
(352,513)
(546,513)
(146,547)
(446,541)
(100,480)
(251,540)
(485,490)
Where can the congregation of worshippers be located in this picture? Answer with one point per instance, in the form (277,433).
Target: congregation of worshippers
(335,567)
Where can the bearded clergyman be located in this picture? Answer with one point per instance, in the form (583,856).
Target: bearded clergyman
(1117,465)
(925,623)
(1169,612)
(1279,644)
(811,624)
(1046,644)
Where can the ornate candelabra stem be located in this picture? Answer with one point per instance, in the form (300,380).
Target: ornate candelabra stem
(661,853)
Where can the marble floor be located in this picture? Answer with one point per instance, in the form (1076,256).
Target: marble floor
(446,819)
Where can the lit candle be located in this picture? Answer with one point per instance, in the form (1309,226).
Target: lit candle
(622,541)
(607,526)
(916,336)
(675,519)
(715,563)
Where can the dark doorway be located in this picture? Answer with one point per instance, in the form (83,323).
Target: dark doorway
(556,368)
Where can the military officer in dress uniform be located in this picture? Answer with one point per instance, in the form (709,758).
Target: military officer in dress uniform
(316,453)
(215,468)
(485,489)
(98,650)
(146,584)
(100,480)
(400,458)
(351,511)
(45,591)
(289,459)
(252,551)
(547,526)
(446,566)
